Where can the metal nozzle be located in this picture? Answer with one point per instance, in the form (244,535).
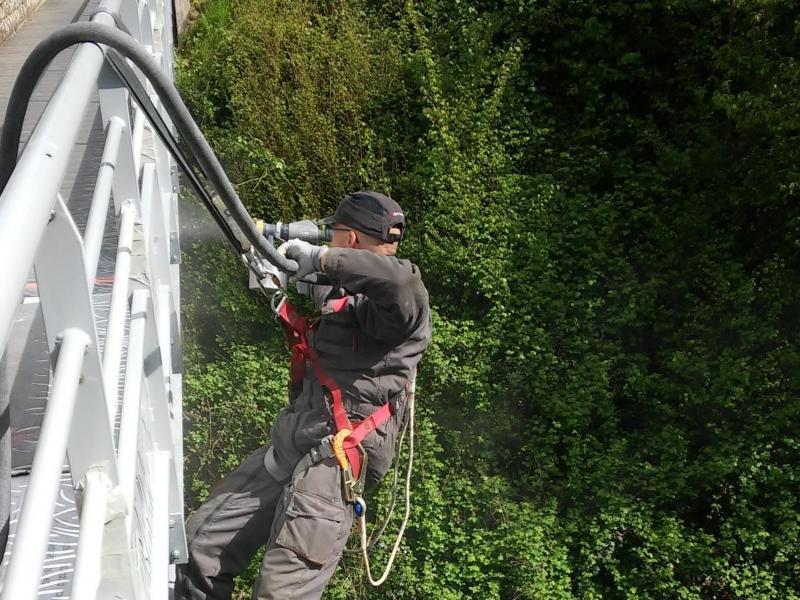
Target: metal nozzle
(307,231)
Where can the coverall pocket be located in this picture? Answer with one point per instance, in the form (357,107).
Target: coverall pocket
(312,527)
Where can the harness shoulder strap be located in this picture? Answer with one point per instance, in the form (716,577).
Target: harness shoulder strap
(296,329)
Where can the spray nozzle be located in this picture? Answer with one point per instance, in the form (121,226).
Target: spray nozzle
(267,277)
(308,231)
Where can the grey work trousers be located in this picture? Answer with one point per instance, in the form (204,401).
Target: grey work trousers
(304,524)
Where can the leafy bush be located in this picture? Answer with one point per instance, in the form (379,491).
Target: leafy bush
(603,201)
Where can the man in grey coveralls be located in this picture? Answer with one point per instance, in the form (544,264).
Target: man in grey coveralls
(280,496)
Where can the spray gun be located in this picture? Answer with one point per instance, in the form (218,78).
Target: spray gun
(308,231)
(263,274)
(270,278)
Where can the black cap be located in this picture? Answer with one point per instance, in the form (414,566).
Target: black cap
(371,213)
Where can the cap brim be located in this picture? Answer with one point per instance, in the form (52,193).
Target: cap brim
(328,220)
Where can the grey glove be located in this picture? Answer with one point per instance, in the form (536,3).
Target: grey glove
(306,255)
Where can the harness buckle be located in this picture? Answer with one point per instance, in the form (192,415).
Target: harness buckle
(323,451)
(354,487)
(349,484)
(358,488)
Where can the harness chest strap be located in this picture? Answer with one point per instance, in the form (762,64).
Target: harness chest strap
(296,328)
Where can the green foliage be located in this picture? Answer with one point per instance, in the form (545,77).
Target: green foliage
(283,98)
(603,201)
(233,403)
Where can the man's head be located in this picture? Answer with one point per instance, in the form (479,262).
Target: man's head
(367,220)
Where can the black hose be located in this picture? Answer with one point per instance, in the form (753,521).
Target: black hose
(187,163)
(77,33)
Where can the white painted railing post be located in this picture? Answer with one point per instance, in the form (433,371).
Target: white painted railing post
(25,566)
(130,493)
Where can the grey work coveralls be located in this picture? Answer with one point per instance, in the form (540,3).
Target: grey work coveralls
(371,349)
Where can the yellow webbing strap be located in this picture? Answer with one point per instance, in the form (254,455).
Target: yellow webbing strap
(338,448)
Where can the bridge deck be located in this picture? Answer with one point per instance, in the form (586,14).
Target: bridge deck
(25,369)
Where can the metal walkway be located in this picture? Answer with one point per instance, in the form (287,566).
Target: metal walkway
(132,483)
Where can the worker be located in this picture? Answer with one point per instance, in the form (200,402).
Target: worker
(290,495)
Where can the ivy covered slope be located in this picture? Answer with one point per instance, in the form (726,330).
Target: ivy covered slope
(603,199)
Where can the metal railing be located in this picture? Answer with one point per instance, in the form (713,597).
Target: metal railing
(130,492)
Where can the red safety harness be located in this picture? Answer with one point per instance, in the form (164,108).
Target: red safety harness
(296,328)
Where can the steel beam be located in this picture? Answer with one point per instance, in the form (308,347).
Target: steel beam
(31,190)
(90,540)
(114,102)
(30,541)
(159,484)
(96,223)
(132,396)
(112,351)
(138,135)
(61,275)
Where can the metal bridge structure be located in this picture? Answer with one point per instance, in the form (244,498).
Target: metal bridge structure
(90,328)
